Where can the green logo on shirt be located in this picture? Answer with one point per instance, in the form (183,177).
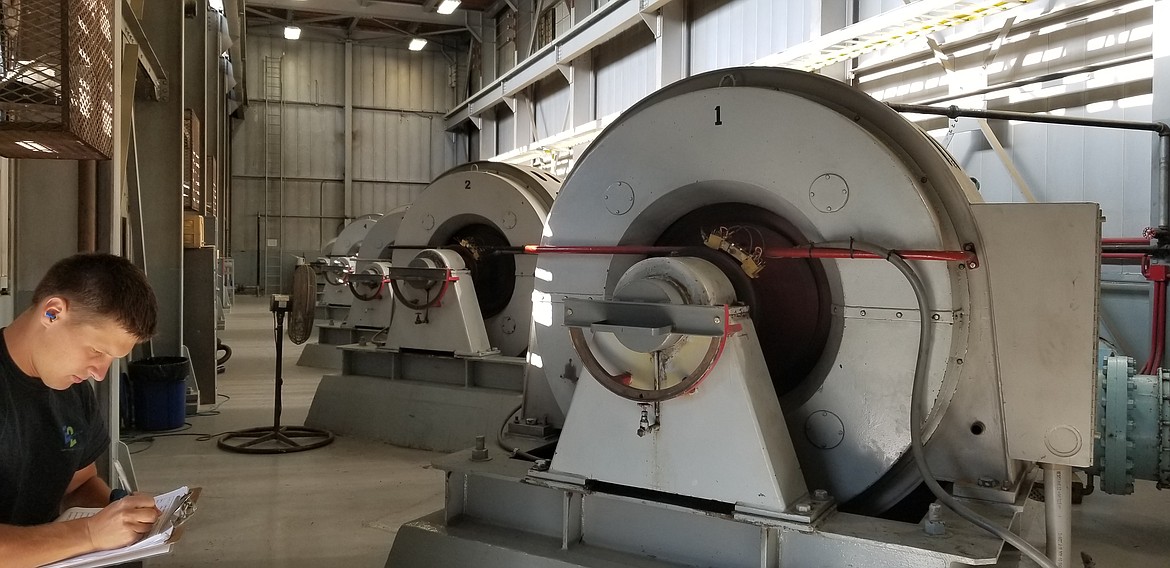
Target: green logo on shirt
(70,440)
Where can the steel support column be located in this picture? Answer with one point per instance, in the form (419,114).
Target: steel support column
(671,41)
(159,131)
(1160,110)
(582,91)
(347,189)
(582,85)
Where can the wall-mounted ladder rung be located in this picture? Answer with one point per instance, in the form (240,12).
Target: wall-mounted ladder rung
(272,229)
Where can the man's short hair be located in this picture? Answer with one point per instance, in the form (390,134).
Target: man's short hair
(106,286)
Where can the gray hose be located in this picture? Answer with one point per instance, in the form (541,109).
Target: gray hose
(919,394)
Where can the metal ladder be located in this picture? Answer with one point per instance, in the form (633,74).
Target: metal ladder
(271,222)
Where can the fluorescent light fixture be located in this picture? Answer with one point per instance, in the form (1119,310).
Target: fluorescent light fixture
(216,5)
(448,6)
(292,32)
(34,146)
(417,43)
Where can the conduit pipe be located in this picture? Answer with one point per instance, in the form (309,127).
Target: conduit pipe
(1159,128)
(86,205)
(1058,513)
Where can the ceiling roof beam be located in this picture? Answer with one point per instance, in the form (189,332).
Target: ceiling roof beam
(262,14)
(389,10)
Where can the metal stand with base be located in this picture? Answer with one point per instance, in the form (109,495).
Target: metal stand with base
(276,439)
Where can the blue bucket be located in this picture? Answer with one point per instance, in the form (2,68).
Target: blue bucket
(159,386)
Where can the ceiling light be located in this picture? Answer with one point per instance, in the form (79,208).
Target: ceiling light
(416,44)
(292,32)
(448,6)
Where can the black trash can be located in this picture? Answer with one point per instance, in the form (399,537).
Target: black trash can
(159,386)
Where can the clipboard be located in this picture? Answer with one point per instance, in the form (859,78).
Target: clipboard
(174,518)
(185,509)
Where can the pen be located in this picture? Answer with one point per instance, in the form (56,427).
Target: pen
(123,488)
(123,483)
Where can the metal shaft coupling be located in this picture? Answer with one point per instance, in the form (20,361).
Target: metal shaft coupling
(1133,427)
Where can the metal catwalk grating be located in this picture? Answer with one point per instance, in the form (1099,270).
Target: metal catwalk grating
(916,19)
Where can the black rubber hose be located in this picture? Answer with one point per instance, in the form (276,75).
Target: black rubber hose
(227,352)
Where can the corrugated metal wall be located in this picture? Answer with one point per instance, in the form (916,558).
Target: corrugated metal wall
(625,69)
(506,125)
(399,144)
(738,32)
(1069,163)
(552,106)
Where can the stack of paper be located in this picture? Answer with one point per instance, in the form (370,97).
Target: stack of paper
(155,542)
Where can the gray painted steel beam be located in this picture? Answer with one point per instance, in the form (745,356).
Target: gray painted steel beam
(146,56)
(159,131)
(1160,109)
(672,42)
(582,80)
(598,27)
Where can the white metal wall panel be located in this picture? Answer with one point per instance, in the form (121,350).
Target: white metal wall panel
(313,71)
(505,126)
(399,144)
(400,79)
(392,146)
(738,32)
(312,142)
(552,106)
(871,8)
(1068,163)
(383,197)
(625,70)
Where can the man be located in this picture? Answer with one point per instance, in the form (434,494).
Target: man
(88,310)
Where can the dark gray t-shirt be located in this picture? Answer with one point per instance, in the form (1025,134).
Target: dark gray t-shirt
(46,436)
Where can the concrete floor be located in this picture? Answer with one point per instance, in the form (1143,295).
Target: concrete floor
(341,505)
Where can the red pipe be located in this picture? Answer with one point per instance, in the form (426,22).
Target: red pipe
(1160,350)
(1159,335)
(1126,255)
(1125,241)
(1157,329)
(792,252)
(1162,328)
(598,249)
(819,252)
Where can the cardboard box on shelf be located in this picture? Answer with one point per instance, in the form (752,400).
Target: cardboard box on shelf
(192,230)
